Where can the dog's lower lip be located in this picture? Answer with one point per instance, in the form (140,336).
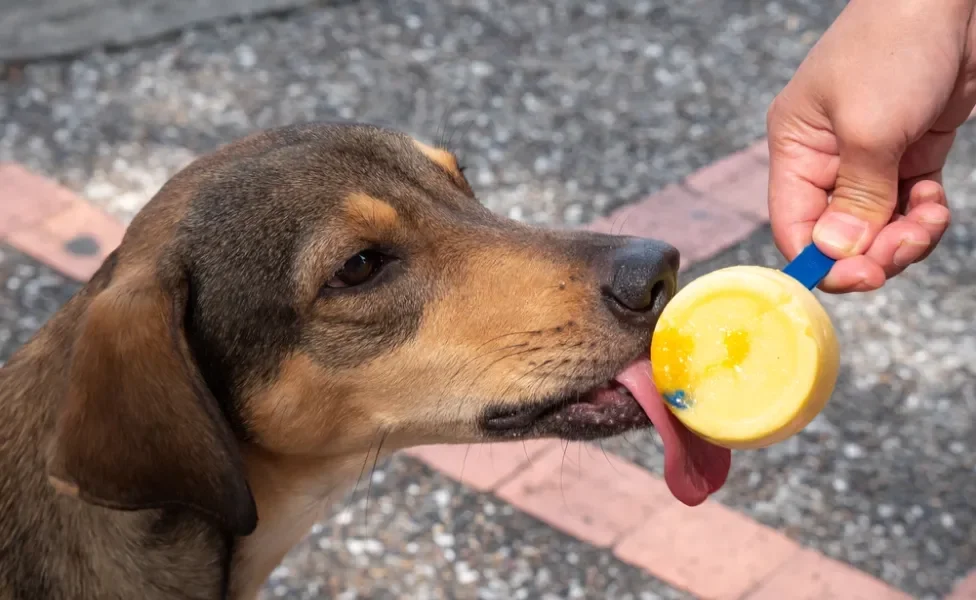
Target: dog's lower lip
(598,406)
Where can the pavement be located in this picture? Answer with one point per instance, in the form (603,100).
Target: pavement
(562,112)
(38,29)
(621,114)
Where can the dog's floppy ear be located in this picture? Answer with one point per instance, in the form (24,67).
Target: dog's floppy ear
(138,427)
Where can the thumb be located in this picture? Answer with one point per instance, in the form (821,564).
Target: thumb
(864,199)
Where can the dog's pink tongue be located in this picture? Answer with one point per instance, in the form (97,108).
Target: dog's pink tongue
(693,467)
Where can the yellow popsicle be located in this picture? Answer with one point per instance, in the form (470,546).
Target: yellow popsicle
(746,356)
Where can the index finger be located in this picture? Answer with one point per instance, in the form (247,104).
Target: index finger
(799,181)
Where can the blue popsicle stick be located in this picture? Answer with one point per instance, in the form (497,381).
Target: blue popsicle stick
(810,266)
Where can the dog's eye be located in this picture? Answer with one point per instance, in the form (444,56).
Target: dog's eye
(359,269)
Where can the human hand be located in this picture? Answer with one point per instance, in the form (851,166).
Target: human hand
(867,122)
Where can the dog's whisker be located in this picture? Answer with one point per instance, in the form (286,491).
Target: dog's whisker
(440,121)
(630,442)
(536,389)
(505,335)
(633,445)
(451,126)
(464,462)
(525,450)
(369,484)
(579,454)
(557,364)
(623,222)
(476,378)
(479,356)
(458,148)
(521,377)
(607,456)
(485,355)
(562,465)
(444,125)
(362,470)
(467,128)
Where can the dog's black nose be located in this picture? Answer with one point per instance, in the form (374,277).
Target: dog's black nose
(642,278)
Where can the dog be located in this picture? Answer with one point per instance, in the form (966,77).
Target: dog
(285,308)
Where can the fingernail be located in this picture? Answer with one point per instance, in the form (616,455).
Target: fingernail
(908,252)
(840,231)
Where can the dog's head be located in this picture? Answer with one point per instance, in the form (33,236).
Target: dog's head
(308,289)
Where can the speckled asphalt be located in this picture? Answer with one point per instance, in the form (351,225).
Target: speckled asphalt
(561,111)
(561,114)
(29,294)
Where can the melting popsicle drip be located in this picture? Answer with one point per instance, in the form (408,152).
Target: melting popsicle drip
(669,359)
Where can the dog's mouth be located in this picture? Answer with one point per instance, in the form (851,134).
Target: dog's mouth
(603,411)
(694,467)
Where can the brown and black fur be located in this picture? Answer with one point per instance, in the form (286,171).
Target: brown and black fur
(176,427)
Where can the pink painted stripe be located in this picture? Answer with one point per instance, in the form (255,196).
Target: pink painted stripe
(586,492)
(51,223)
(483,467)
(26,199)
(708,550)
(808,575)
(965,589)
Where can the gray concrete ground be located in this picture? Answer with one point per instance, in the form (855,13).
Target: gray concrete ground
(35,29)
(29,294)
(561,114)
(561,111)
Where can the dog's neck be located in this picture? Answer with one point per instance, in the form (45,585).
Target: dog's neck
(291,496)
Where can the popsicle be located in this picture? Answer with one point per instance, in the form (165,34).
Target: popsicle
(747,356)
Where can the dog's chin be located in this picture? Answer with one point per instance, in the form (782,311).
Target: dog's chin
(605,410)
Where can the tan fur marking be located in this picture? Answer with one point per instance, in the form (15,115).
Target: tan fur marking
(365,211)
(314,411)
(441,157)
(63,487)
(496,350)
(363,216)
(299,410)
